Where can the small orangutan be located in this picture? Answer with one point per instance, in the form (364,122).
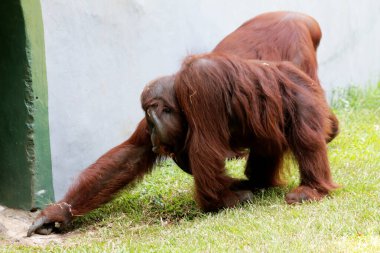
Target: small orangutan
(216,105)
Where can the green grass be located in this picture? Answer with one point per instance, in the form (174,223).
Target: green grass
(159,214)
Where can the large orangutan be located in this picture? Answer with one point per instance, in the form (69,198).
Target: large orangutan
(215,106)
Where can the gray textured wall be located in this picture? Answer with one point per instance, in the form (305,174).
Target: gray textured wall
(101,53)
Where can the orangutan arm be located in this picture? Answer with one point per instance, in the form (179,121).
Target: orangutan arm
(100,182)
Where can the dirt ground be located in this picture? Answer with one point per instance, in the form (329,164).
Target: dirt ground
(15,223)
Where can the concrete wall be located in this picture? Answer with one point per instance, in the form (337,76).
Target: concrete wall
(101,53)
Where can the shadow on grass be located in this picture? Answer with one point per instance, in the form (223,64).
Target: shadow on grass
(129,208)
(134,210)
(167,196)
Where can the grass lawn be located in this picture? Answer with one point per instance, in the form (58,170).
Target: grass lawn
(159,214)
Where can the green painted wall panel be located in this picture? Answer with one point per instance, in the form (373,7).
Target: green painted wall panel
(15,183)
(35,47)
(25,167)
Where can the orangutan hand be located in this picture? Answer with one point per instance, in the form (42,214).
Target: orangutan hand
(46,221)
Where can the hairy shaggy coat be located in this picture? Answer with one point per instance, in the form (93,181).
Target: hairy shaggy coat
(280,36)
(267,107)
(213,107)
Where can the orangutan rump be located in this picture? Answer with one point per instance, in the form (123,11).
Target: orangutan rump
(280,36)
(277,36)
(216,105)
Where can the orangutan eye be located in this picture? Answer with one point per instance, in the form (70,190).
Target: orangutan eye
(150,125)
(167,110)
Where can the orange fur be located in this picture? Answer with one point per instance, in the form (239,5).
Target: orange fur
(217,104)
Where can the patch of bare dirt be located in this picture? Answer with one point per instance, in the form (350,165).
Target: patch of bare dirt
(14,225)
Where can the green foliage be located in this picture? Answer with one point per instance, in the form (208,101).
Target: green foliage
(357,98)
(159,214)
